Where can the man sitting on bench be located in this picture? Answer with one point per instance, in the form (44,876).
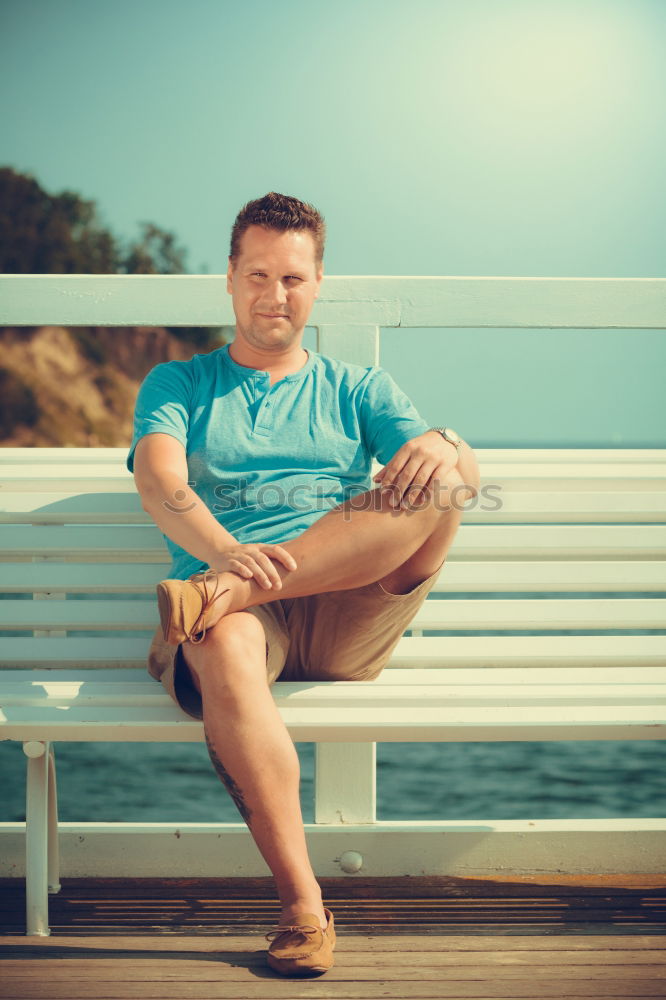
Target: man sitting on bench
(254,462)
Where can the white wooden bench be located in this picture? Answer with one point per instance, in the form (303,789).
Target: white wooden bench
(73,525)
(575,530)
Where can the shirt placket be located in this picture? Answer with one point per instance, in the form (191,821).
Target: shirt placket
(264,419)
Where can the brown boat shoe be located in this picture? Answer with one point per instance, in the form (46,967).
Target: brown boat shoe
(302,947)
(184,604)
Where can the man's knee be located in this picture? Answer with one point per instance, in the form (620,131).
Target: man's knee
(454,491)
(449,493)
(234,648)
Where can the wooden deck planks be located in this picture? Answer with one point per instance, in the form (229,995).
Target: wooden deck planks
(206,968)
(567,938)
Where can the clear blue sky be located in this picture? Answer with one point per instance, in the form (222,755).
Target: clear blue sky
(452,137)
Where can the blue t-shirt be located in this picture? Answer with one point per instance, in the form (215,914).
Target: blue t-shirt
(269,460)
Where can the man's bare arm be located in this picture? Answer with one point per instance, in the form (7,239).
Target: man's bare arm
(160,474)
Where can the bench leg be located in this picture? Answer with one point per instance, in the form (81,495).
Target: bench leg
(36,838)
(53,841)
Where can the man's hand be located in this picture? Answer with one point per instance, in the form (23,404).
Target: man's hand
(417,466)
(254,560)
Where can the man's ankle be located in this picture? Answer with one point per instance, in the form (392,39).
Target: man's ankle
(304,905)
(241,590)
(300,898)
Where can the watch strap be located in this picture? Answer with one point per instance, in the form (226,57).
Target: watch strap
(445,431)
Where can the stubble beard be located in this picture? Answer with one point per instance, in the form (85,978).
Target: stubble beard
(264,338)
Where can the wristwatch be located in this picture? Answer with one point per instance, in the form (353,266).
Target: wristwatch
(449,435)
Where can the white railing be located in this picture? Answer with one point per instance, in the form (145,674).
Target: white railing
(348,316)
(202,300)
(349,311)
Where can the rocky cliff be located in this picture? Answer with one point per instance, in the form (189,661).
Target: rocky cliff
(76,387)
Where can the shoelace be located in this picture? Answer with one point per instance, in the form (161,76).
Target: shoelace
(199,627)
(301,928)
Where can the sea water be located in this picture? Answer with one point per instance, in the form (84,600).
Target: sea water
(175,782)
(168,782)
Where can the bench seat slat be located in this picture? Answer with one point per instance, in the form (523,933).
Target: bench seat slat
(39,684)
(546,613)
(558,694)
(307,723)
(413,653)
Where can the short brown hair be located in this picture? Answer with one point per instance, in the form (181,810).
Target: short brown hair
(281,212)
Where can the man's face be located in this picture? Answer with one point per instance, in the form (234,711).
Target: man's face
(273,287)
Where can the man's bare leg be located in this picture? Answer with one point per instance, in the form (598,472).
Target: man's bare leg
(254,755)
(246,737)
(357,543)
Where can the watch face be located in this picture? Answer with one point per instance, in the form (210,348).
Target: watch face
(451,435)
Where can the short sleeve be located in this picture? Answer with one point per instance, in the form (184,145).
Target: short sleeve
(163,404)
(388,417)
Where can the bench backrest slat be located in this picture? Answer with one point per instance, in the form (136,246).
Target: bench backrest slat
(96,577)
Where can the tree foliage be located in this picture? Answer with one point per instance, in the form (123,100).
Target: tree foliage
(155,253)
(42,233)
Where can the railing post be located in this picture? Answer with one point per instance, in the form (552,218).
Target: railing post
(346,773)
(359,345)
(345,783)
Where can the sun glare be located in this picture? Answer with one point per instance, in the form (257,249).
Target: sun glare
(563,65)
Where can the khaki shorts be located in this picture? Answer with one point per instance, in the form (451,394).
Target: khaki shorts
(343,635)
